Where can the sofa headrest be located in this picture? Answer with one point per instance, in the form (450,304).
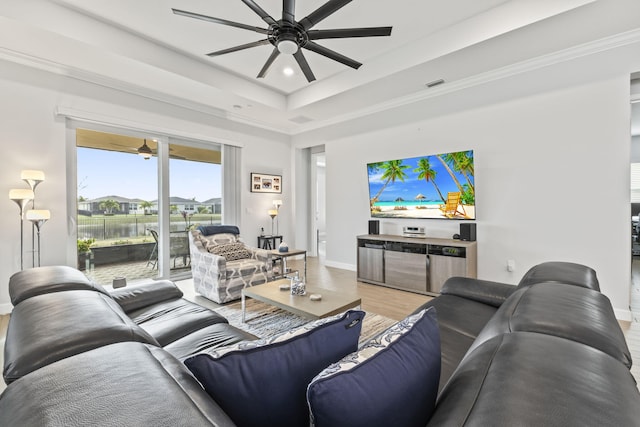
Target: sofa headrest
(208,230)
(43,280)
(566,311)
(561,272)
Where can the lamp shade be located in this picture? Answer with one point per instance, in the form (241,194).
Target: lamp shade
(32,175)
(21,194)
(38,214)
(277,203)
(273,213)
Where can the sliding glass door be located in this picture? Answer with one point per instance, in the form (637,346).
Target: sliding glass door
(195,197)
(134,211)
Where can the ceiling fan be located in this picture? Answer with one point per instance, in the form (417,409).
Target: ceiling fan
(289,36)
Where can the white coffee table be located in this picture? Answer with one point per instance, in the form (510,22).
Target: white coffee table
(332,302)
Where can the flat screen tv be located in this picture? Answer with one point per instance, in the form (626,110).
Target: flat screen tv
(435,186)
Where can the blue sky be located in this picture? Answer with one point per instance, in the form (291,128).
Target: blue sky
(103,173)
(411,186)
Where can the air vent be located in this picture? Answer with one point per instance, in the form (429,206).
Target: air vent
(301,119)
(435,83)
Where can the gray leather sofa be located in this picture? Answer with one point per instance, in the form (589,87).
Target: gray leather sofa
(548,352)
(77,355)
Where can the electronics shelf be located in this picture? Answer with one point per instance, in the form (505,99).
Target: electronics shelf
(419,265)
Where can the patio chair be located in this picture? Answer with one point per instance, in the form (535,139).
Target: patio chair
(179,247)
(454,201)
(222,265)
(153,257)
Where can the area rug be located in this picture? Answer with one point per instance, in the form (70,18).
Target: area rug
(264,320)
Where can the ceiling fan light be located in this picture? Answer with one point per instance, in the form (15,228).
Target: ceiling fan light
(287,71)
(145,151)
(287,47)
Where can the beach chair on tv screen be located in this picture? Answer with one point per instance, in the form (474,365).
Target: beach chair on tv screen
(453,205)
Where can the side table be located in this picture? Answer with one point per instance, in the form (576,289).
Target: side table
(268,242)
(284,255)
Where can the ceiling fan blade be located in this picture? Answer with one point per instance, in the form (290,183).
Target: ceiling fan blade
(322,12)
(314,47)
(304,66)
(220,21)
(269,62)
(349,32)
(257,9)
(289,11)
(237,48)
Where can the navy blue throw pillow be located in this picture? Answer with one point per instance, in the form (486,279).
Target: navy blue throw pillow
(263,382)
(208,230)
(391,381)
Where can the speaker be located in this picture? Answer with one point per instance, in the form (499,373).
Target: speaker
(374,226)
(468,231)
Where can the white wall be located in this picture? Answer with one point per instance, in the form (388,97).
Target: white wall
(32,137)
(552,182)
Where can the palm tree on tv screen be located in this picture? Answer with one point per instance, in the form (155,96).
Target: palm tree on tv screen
(462,162)
(448,168)
(425,172)
(393,170)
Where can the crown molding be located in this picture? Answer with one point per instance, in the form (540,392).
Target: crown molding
(579,51)
(583,50)
(108,120)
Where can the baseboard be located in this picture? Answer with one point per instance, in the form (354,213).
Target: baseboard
(6,308)
(624,315)
(340,265)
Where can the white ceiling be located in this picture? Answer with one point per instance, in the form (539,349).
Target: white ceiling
(410,19)
(141,43)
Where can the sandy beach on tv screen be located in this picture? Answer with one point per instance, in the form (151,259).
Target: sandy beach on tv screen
(422,212)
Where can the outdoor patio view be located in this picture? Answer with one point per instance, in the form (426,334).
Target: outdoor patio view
(118,228)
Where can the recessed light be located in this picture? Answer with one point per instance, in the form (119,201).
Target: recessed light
(287,71)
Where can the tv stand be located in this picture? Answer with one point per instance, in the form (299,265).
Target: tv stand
(415,264)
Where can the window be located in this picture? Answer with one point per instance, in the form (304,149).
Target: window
(119,208)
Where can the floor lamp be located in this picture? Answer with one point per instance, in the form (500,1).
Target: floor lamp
(38,218)
(21,196)
(272,213)
(33,178)
(277,204)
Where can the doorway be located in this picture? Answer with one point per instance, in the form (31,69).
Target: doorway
(634,296)
(318,173)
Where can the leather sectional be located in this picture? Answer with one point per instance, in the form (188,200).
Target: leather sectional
(548,352)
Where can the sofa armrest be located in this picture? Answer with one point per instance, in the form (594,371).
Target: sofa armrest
(484,291)
(134,297)
(201,257)
(260,254)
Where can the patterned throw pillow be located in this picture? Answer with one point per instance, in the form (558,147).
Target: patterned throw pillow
(218,239)
(391,381)
(230,251)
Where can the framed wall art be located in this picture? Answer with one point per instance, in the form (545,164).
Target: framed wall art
(263,183)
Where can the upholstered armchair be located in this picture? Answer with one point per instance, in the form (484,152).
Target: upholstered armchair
(222,265)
